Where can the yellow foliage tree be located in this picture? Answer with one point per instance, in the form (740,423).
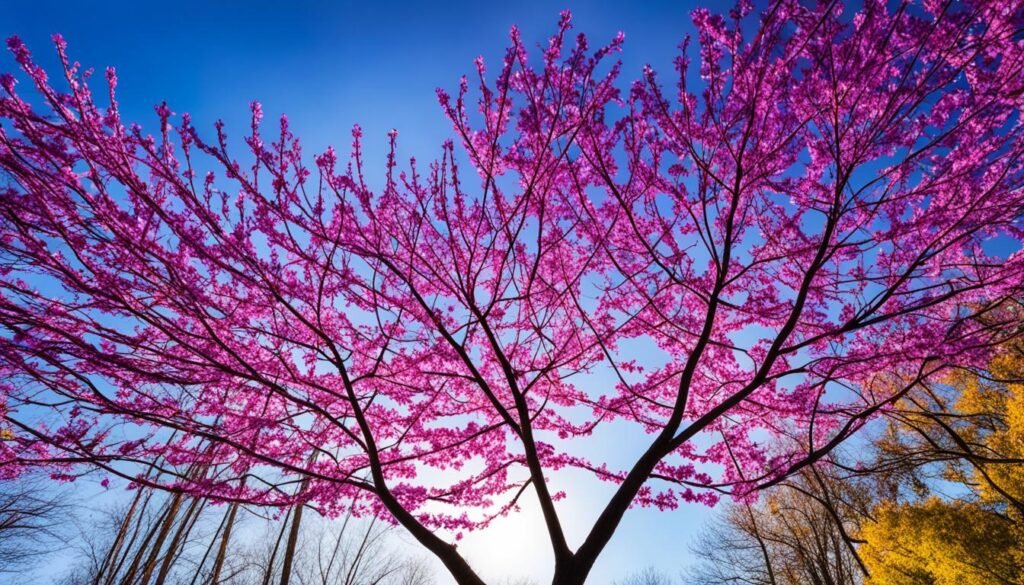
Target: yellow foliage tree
(938,542)
(999,406)
(978,537)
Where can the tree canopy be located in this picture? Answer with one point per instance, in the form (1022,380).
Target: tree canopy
(741,271)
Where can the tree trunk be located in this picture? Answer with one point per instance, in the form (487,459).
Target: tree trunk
(180,537)
(293,538)
(115,547)
(269,572)
(222,552)
(165,529)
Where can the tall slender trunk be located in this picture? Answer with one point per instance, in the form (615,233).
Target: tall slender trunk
(133,568)
(209,549)
(293,534)
(165,529)
(337,548)
(277,545)
(180,537)
(122,533)
(114,554)
(112,573)
(222,551)
(293,538)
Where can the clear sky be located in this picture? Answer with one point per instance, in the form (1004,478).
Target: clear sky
(329,65)
(326,64)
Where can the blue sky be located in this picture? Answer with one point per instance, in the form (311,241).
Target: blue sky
(327,65)
(330,65)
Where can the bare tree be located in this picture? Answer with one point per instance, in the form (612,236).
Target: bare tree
(151,539)
(161,539)
(33,518)
(342,551)
(648,576)
(800,533)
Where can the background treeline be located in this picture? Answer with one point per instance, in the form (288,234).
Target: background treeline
(159,538)
(931,494)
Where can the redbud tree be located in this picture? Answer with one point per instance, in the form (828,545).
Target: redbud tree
(735,271)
